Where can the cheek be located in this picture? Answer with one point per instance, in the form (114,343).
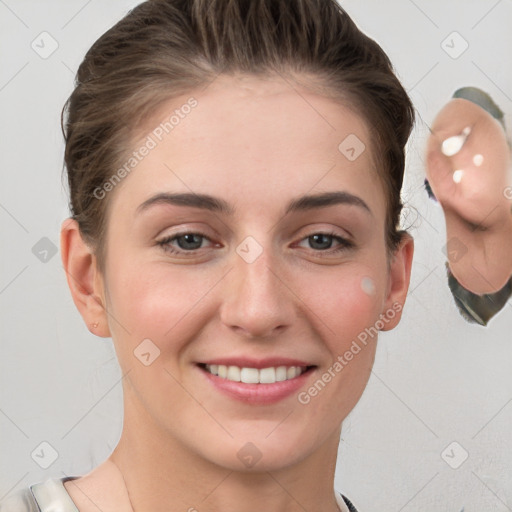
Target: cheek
(156,301)
(348,301)
(151,302)
(350,308)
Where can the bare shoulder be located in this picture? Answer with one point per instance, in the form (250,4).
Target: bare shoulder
(102,489)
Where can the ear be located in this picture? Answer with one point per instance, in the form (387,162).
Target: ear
(84,279)
(398,281)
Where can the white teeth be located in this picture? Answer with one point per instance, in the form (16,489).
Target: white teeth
(250,375)
(267,375)
(280,373)
(254,375)
(233,373)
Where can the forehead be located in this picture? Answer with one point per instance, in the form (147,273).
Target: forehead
(262,139)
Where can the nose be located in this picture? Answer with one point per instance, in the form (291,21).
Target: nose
(258,301)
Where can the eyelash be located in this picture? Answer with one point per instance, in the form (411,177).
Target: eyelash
(344,243)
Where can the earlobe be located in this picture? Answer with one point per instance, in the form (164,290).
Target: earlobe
(398,284)
(84,279)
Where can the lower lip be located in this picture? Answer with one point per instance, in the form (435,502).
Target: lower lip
(258,394)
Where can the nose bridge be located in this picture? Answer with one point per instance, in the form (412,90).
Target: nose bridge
(258,301)
(258,277)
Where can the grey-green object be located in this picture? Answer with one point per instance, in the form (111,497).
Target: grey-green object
(482,99)
(478,308)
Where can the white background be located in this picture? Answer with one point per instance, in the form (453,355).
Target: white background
(436,380)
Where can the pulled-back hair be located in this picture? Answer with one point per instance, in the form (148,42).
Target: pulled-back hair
(164,48)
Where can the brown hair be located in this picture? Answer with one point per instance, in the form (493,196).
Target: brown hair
(164,48)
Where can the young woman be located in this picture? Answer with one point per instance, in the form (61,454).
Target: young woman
(235,171)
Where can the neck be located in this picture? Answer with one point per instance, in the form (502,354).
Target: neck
(161,474)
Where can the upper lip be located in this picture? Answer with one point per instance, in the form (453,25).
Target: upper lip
(247,362)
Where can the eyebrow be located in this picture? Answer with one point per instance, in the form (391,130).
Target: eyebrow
(215,204)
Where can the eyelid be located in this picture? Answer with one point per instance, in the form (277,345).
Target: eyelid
(187,229)
(167,239)
(344,243)
(325,229)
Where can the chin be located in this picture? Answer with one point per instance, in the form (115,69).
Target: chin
(260,452)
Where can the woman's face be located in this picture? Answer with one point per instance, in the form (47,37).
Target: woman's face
(273,278)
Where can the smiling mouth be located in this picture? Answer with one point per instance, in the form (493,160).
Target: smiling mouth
(248,375)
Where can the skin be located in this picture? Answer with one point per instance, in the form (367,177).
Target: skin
(477,209)
(256,143)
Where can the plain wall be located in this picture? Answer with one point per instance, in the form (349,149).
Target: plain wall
(437,379)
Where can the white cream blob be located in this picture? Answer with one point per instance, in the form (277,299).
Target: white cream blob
(457,175)
(478,160)
(368,285)
(452,145)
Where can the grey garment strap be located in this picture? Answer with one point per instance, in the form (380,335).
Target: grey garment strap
(19,501)
(52,496)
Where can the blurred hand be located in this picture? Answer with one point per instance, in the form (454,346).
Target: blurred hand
(469,169)
(471,181)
